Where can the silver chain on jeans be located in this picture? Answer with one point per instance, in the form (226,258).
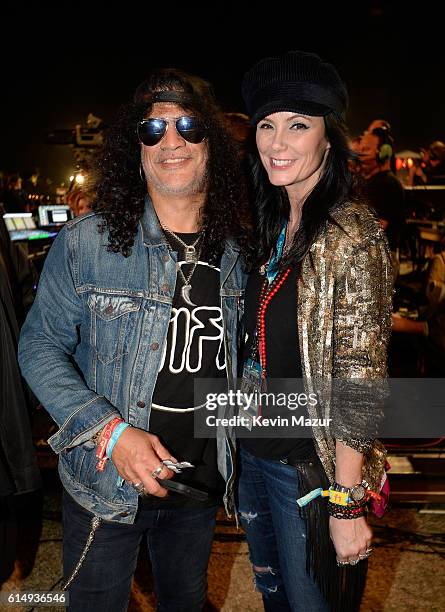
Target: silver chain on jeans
(95,524)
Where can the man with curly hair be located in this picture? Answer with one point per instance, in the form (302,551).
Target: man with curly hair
(136,300)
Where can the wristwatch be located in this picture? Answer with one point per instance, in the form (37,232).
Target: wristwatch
(357,493)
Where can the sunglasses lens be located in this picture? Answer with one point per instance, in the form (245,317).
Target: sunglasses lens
(191,129)
(150,131)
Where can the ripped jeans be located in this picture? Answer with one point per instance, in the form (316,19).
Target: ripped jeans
(276,534)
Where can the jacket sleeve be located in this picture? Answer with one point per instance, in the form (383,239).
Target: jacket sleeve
(48,340)
(362,327)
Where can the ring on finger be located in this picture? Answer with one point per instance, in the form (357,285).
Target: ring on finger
(354,561)
(155,473)
(366,554)
(139,487)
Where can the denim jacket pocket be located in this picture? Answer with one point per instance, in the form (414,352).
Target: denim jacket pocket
(74,458)
(113,318)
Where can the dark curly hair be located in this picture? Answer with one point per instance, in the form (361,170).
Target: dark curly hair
(120,192)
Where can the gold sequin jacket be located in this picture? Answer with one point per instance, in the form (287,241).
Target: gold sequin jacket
(344,324)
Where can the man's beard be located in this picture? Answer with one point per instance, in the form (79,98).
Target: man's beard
(196,186)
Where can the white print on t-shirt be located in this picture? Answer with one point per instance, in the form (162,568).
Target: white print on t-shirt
(191,325)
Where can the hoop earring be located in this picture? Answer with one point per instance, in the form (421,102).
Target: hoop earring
(141,173)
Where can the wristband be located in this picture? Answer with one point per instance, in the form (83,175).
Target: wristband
(340,498)
(103,441)
(117,432)
(343,512)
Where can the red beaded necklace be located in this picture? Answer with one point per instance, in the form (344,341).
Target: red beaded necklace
(268,290)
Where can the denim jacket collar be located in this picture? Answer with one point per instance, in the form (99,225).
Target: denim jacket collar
(152,234)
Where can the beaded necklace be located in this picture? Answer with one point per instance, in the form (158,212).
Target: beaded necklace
(273,281)
(268,291)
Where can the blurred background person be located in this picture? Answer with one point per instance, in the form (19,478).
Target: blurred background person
(238,126)
(13,196)
(31,183)
(383,189)
(80,193)
(382,124)
(79,201)
(432,169)
(378,123)
(431,322)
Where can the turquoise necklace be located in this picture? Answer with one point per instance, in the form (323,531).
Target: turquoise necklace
(272,266)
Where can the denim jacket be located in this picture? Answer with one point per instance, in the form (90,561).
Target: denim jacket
(92,345)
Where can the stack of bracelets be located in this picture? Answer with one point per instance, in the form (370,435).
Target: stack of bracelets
(106,439)
(348,502)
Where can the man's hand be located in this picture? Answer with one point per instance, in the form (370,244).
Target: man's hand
(137,454)
(351,537)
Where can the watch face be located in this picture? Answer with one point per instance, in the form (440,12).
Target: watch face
(358,493)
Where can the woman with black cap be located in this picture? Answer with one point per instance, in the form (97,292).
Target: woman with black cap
(318,309)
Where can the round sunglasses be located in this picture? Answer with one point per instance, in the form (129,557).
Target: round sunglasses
(151,131)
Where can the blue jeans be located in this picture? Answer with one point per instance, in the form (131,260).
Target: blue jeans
(179,543)
(276,534)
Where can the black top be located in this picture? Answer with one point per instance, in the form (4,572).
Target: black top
(283,358)
(386,196)
(194,348)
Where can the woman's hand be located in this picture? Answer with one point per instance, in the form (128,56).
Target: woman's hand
(351,538)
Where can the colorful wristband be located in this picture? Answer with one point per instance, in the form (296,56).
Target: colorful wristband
(117,432)
(103,442)
(341,498)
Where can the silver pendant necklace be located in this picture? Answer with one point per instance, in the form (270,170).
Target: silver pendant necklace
(189,249)
(191,257)
(187,287)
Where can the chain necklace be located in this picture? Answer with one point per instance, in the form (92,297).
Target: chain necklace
(187,287)
(191,256)
(189,249)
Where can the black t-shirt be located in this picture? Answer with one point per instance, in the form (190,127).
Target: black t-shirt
(387,197)
(283,358)
(194,349)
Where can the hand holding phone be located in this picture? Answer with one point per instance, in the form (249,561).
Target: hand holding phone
(179,487)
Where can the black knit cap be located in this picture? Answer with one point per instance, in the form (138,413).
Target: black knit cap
(296,81)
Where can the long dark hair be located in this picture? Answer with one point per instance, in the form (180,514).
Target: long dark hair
(120,191)
(271,205)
